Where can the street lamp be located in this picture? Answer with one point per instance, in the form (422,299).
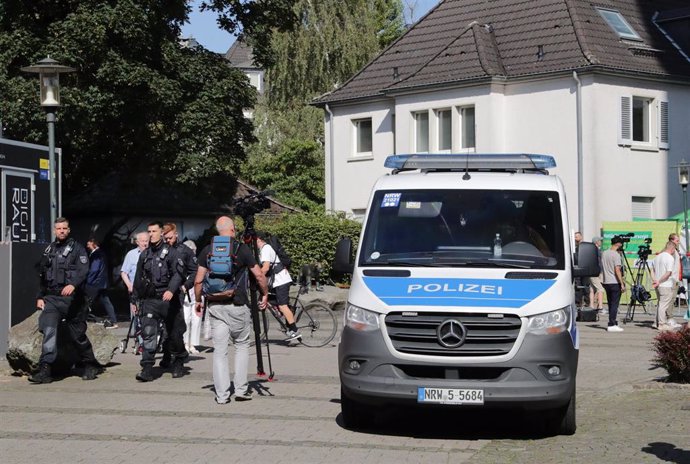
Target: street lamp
(49,71)
(683,180)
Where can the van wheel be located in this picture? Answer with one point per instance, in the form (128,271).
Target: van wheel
(563,421)
(355,415)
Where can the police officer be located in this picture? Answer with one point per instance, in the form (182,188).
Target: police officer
(63,270)
(157,280)
(175,323)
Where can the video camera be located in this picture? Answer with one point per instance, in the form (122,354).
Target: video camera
(643,251)
(250,205)
(623,238)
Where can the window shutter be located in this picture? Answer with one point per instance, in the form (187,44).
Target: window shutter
(625,130)
(663,125)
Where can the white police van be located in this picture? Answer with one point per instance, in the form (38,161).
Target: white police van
(462,290)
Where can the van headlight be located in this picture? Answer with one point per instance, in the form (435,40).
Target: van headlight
(553,322)
(361,319)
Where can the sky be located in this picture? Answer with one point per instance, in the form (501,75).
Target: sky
(203,27)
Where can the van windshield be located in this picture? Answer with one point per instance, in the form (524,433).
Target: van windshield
(458,228)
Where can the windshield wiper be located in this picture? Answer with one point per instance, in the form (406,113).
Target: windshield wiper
(401,262)
(489,264)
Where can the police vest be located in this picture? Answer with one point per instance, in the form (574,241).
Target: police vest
(156,269)
(56,270)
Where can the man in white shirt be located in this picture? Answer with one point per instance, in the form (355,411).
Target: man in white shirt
(129,265)
(279,280)
(665,277)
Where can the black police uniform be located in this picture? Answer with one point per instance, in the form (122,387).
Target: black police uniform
(159,269)
(64,263)
(174,322)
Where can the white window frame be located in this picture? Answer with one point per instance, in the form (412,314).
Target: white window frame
(630,34)
(441,131)
(418,124)
(357,132)
(462,145)
(656,120)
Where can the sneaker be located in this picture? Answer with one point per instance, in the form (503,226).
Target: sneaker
(673,323)
(225,401)
(603,311)
(246,396)
(292,335)
(107,324)
(193,350)
(614,328)
(112,326)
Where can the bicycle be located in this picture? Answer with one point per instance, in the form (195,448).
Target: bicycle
(316,322)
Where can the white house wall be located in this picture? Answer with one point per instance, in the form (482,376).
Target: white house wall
(536,117)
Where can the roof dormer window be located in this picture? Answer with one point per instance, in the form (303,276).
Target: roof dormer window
(619,24)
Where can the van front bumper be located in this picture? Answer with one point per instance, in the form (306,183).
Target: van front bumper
(370,374)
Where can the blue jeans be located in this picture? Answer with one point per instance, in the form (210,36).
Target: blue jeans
(613,297)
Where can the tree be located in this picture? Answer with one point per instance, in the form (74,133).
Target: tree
(331,42)
(139,99)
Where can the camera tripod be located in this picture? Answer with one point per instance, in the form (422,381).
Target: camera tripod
(638,294)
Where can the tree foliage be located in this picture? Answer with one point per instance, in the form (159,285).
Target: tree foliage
(331,41)
(139,99)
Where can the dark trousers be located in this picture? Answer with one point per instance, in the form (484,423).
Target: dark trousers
(151,312)
(175,325)
(100,296)
(70,308)
(613,297)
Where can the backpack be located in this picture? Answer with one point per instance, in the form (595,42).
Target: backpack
(219,278)
(285,259)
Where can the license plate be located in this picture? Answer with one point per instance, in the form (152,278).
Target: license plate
(449,395)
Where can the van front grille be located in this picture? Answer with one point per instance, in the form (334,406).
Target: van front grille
(485,336)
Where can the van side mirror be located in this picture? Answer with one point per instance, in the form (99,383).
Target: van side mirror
(343,256)
(587,261)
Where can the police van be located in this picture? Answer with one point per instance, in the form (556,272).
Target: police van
(462,290)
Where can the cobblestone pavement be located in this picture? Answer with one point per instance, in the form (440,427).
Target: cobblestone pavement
(624,415)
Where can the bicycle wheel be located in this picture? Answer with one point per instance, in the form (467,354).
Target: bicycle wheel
(317,324)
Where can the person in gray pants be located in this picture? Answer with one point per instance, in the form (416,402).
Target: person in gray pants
(230,314)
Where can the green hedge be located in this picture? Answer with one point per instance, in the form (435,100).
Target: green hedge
(310,237)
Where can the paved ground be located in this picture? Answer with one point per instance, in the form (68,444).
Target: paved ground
(624,416)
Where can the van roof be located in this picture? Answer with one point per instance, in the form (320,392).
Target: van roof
(496,162)
(416,180)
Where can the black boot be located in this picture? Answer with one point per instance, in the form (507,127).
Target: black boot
(165,362)
(146,374)
(178,369)
(42,375)
(90,372)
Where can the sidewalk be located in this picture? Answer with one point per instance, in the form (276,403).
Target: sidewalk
(624,415)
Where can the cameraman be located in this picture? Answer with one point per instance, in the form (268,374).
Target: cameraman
(614,285)
(665,283)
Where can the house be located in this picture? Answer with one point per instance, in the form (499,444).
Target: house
(241,56)
(604,87)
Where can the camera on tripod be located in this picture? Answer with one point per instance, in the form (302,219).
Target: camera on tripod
(643,251)
(250,205)
(622,238)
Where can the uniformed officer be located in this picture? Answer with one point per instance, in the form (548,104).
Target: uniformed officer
(157,280)
(63,270)
(175,323)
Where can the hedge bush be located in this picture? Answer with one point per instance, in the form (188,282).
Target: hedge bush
(673,354)
(310,237)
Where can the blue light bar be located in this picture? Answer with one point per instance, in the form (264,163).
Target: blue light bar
(472,162)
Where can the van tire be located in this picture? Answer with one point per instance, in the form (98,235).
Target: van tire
(563,421)
(355,415)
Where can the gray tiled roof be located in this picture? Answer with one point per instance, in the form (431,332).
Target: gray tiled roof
(240,55)
(472,40)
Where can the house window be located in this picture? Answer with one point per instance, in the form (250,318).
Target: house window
(618,23)
(467,134)
(362,136)
(643,122)
(421,132)
(445,129)
(642,207)
(641,119)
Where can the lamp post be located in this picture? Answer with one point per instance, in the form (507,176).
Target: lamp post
(49,71)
